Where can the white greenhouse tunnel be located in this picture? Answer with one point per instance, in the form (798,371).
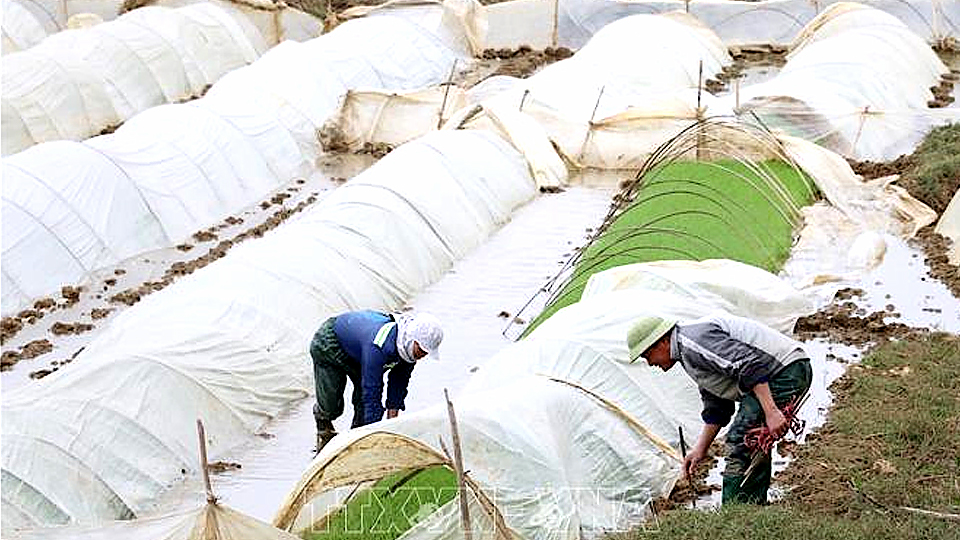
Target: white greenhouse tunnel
(228,341)
(78,82)
(857,81)
(834,90)
(573,100)
(570,23)
(21,28)
(26,22)
(75,207)
(559,431)
(587,104)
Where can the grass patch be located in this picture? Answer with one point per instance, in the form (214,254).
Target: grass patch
(391,507)
(933,171)
(893,441)
(697,211)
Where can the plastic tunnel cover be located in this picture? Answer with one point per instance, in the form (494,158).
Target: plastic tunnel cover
(78,82)
(229,340)
(857,81)
(192,164)
(558,430)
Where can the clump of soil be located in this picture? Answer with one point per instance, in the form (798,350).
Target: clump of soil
(683,491)
(942,92)
(9,327)
(870,170)
(71,295)
(377,150)
(841,322)
(204,236)
(523,61)
(100,313)
(332,139)
(30,350)
(62,329)
(223,466)
(935,247)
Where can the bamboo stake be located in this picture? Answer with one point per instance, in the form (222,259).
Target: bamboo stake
(699,110)
(683,452)
(446,90)
(931,513)
(204,467)
(458,465)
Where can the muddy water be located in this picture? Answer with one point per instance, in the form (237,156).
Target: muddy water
(501,275)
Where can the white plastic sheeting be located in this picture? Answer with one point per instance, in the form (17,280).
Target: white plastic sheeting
(77,207)
(642,61)
(227,344)
(210,521)
(570,23)
(561,434)
(78,82)
(857,81)
(949,226)
(605,107)
(275,20)
(21,28)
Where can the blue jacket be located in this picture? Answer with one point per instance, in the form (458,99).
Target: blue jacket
(370,338)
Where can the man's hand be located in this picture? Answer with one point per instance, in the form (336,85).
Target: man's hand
(694,457)
(776,423)
(392,413)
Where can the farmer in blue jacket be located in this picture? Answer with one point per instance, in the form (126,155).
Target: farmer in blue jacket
(363,345)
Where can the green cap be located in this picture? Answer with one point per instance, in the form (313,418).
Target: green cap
(645,333)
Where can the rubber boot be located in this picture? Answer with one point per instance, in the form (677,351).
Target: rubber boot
(754,491)
(325,429)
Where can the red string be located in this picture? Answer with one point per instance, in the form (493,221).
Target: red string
(759,439)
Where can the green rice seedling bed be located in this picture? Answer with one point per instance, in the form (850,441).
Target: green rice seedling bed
(696,211)
(390,507)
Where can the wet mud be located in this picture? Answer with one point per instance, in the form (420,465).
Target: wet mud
(524,61)
(844,322)
(744,58)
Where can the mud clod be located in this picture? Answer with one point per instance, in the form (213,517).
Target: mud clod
(223,466)
(185,247)
(71,294)
(204,236)
(9,327)
(41,373)
(63,329)
(100,313)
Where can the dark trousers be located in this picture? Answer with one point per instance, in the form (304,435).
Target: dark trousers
(331,368)
(793,381)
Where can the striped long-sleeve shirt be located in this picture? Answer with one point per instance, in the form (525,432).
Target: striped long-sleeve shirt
(727,356)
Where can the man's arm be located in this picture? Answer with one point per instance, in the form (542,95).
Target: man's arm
(397,381)
(699,450)
(776,423)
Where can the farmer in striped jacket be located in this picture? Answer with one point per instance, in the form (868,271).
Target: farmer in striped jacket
(731,359)
(362,346)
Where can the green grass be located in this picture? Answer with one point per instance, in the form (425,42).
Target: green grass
(893,441)
(933,173)
(698,211)
(391,507)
